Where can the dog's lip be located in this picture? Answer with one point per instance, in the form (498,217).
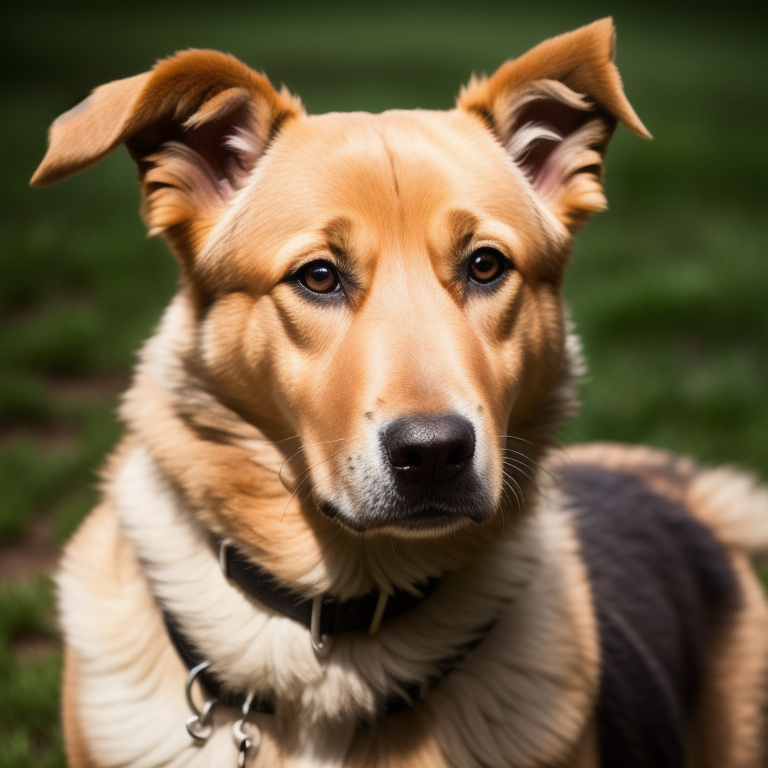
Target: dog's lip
(421,518)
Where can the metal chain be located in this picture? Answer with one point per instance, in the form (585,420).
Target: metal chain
(243,741)
(199,726)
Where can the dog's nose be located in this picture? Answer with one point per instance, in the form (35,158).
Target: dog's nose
(429,450)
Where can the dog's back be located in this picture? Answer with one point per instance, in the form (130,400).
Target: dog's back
(682,620)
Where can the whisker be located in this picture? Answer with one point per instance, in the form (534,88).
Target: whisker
(514,493)
(303,448)
(283,440)
(260,465)
(514,460)
(512,437)
(533,462)
(247,440)
(501,506)
(306,476)
(518,453)
(517,485)
(517,466)
(394,551)
(516,470)
(505,495)
(316,485)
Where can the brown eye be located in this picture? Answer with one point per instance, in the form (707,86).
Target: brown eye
(486,265)
(319,277)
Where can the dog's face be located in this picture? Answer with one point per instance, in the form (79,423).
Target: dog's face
(396,299)
(379,292)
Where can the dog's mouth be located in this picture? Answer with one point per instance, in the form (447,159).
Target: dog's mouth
(427,517)
(400,506)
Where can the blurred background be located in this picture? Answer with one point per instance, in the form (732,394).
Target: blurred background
(669,289)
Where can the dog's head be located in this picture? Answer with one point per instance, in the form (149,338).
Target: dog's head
(381,293)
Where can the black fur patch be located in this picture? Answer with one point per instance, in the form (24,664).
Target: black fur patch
(659,582)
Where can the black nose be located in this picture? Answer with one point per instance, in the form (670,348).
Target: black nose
(429,450)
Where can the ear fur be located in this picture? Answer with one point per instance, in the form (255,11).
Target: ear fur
(196,126)
(554,109)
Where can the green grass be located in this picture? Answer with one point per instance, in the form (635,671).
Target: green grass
(29,694)
(668,288)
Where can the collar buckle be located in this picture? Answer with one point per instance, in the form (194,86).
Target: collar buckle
(224,545)
(321,644)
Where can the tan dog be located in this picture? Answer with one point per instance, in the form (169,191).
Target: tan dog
(346,407)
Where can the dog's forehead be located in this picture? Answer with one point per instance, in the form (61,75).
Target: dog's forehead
(413,161)
(396,179)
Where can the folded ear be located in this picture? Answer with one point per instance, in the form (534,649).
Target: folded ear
(554,109)
(196,125)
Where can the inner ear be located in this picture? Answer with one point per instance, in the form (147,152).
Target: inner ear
(540,121)
(557,137)
(191,170)
(196,125)
(540,128)
(222,133)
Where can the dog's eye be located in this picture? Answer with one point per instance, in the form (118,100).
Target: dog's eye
(319,277)
(486,265)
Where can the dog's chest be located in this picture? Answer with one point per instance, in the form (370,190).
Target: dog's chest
(528,684)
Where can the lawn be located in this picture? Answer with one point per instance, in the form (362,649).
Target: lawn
(668,288)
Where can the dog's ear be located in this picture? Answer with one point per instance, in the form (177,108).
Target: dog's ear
(554,109)
(196,125)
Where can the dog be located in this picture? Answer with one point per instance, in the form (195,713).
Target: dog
(337,532)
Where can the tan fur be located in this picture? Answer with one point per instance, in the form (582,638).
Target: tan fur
(77,751)
(257,411)
(586,754)
(729,728)
(403,741)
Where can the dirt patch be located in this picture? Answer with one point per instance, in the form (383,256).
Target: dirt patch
(26,560)
(53,436)
(32,556)
(87,387)
(34,647)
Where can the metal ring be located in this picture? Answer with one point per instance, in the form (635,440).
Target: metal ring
(193,673)
(198,730)
(243,741)
(199,726)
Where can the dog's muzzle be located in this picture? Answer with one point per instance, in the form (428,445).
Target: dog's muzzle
(424,477)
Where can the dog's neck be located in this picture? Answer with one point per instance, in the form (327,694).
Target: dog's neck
(324,617)
(253,647)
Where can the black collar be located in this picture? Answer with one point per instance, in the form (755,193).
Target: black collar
(336,616)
